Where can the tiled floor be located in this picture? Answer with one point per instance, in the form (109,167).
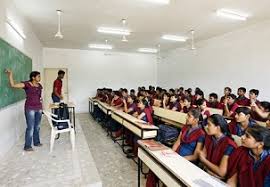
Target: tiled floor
(113,166)
(61,168)
(97,161)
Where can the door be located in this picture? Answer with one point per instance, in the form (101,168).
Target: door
(50,74)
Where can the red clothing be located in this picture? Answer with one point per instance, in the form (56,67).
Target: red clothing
(242,163)
(214,105)
(243,101)
(148,113)
(118,102)
(232,108)
(215,151)
(57,84)
(193,135)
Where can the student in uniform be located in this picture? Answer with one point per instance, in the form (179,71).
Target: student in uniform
(253,97)
(268,122)
(242,121)
(213,101)
(57,87)
(227,92)
(32,107)
(117,101)
(260,112)
(174,103)
(145,111)
(185,105)
(198,95)
(191,138)
(132,92)
(249,165)
(166,101)
(218,146)
(130,104)
(241,99)
(230,105)
(205,113)
(189,143)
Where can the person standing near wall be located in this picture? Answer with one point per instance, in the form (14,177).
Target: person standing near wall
(57,87)
(33,107)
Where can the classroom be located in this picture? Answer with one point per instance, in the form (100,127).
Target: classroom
(125,93)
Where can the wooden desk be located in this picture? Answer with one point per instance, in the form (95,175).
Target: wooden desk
(71,106)
(136,126)
(106,108)
(92,103)
(174,170)
(169,116)
(215,111)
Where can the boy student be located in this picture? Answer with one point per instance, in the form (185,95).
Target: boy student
(241,99)
(213,101)
(242,121)
(32,107)
(230,105)
(249,164)
(57,87)
(227,92)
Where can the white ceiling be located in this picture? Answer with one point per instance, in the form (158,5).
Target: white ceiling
(147,21)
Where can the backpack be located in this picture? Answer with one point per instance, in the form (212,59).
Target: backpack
(167,133)
(62,114)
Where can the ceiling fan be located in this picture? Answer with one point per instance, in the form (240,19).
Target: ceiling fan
(59,34)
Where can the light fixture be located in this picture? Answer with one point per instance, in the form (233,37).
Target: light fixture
(124,38)
(59,34)
(147,50)
(117,31)
(159,1)
(232,14)
(16,28)
(100,46)
(174,38)
(192,40)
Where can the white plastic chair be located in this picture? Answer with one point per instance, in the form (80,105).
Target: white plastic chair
(55,131)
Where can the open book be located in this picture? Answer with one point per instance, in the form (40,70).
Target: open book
(153,145)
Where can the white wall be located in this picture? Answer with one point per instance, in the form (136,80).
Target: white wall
(12,124)
(239,58)
(89,70)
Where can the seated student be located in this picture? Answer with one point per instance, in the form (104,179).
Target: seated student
(124,93)
(218,146)
(213,101)
(132,92)
(198,95)
(249,164)
(260,112)
(145,111)
(174,103)
(253,97)
(227,92)
(205,113)
(171,91)
(188,145)
(230,106)
(185,105)
(181,92)
(241,99)
(117,101)
(166,101)
(242,121)
(191,137)
(130,105)
(187,93)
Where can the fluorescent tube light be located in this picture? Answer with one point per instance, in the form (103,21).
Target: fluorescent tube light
(100,46)
(159,1)
(174,38)
(232,14)
(147,50)
(16,28)
(117,31)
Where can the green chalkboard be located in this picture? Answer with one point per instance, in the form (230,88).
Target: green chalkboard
(21,66)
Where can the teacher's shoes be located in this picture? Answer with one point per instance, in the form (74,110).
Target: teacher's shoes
(28,149)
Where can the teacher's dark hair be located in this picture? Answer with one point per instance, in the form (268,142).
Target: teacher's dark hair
(33,74)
